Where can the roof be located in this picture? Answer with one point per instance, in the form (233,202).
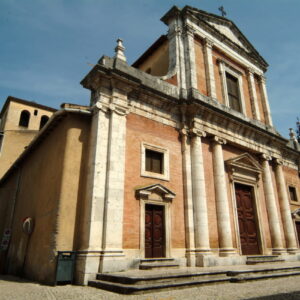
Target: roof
(25,102)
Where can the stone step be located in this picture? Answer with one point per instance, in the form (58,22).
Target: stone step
(120,278)
(263,271)
(262,259)
(253,277)
(157,263)
(155,286)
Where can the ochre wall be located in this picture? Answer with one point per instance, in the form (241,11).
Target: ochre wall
(200,67)
(49,190)
(141,129)
(158,61)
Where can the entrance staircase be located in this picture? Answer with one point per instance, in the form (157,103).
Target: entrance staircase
(157,263)
(141,281)
(263,259)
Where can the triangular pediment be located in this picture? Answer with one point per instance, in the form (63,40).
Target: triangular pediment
(226,31)
(155,192)
(244,161)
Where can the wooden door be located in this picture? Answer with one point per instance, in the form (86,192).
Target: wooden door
(298,230)
(154,231)
(247,222)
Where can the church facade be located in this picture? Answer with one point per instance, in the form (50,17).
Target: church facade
(176,157)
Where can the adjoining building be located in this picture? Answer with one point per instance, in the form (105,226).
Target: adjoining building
(176,157)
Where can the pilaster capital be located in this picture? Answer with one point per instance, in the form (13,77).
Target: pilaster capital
(99,106)
(266,157)
(119,110)
(250,71)
(262,79)
(208,43)
(176,31)
(189,30)
(197,132)
(219,140)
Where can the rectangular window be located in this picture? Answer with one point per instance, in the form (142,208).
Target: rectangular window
(154,161)
(293,194)
(233,92)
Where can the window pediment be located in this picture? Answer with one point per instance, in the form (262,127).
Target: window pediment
(156,192)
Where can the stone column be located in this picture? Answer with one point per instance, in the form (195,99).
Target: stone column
(222,205)
(286,215)
(272,210)
(265,101)
(253,95)
(112,240)
(209,69)
(199,194)
(190,61)
(88,257)
(188,204)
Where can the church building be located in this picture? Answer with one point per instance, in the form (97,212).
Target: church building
(175,159)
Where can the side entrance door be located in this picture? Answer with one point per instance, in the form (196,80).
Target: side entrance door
(154,231)
(247,222)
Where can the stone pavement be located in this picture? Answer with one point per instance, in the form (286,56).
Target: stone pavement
(276,289)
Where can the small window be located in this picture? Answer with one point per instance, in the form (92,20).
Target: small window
(35,112)
(154,161)
(233,92)
(44,120)
(24,118)
(293,194)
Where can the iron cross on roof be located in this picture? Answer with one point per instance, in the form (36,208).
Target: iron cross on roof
(222,10)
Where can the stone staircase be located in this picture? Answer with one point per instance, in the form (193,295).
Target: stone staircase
(157,263)
(263,259)
(135,282)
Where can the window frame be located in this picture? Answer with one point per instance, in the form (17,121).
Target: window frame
(165,163)
(296,194)
(224,68)
(22,116)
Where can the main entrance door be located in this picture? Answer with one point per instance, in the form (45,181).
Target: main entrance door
(154,231)
(246,216)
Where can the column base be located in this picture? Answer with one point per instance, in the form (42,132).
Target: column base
(190,257)
(292,251)
(278,251)
(112,261)
(223,252)
(87,266)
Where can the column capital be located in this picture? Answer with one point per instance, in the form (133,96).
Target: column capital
(219,140)
(208,43)
(262,79)
(250,71)
(197,132)
(279,161)
(266,157)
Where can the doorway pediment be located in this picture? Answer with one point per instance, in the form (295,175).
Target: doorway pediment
(244,167)
(156,192)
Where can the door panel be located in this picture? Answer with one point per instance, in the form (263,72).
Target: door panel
(247,222)
(154,231)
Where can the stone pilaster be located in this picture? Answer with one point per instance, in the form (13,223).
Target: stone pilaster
(222,205)
(287,222)
(253,95)
(209,69)
(265,101)
(188,204)
(199,194)
(190,61)
(272,210)
(112,240)
(88,257)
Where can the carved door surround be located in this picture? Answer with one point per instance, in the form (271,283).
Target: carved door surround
(245,170)
(157,195)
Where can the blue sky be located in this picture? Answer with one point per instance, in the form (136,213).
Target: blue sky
(47,46)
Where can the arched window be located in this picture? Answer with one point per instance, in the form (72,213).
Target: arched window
(44,120)
(24,118)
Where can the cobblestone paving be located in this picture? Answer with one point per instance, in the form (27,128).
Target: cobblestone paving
(276,289)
